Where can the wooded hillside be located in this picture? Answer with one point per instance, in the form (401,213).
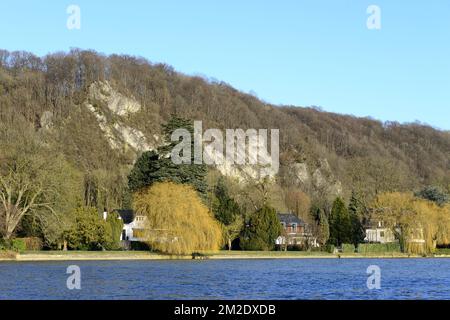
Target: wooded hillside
(321,153)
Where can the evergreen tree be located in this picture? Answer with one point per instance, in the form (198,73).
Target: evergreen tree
(157,166)
(357,230)
(340,224)
(434,194)
(262,230)
(114,227)
(315,212)
(225,208)
(146,171)
(321,224)
(227,212)
(323,228)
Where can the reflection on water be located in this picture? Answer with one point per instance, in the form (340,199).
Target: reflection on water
(228,279)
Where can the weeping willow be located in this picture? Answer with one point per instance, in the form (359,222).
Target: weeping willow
(177,221)
(418,224)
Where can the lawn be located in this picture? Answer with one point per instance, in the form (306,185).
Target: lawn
(223,254)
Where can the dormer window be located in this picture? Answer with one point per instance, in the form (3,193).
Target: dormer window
(294,227)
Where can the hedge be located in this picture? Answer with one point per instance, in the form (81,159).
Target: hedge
(378,247)
(445,251)
(348,248)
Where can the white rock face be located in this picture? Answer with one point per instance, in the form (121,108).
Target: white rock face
(115,101)
(46,120)
(323,178)
(320,178)
(119,135)
(300,170)
(132,137)
(247,171)
(101,119)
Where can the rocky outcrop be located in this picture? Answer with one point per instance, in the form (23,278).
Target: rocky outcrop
(116,102)
(46,120)
(111,109)
(320,178)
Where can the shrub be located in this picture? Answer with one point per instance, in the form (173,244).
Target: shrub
(18,245)
(89,231)
(33,243)
(4,244)
(348,248)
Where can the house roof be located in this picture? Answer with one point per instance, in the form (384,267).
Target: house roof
(289,218)
(373,224)
(126,215)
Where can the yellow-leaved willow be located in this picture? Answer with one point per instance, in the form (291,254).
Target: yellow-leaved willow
(177,221)
(420,225)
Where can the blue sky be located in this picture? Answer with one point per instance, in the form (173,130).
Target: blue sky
(303,53)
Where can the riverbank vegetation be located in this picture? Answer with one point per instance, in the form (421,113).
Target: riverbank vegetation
(178,221)
(66,156)
(419,224)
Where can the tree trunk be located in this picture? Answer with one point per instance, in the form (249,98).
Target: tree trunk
(65,245)
(9,231)
(7,235)
(13,217)
(229,244)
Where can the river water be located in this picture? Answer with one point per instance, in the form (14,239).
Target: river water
(229,279)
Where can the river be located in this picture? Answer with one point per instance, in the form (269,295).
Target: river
(228,279)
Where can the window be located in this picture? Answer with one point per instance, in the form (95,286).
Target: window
(294,227)
(381,234)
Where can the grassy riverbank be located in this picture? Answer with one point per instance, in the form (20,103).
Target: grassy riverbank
(145,255)
(90,255)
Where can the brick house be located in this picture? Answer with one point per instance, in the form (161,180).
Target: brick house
(295,232)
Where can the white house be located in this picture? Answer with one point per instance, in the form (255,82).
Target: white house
(133,225)
(379,234)
(135,229)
